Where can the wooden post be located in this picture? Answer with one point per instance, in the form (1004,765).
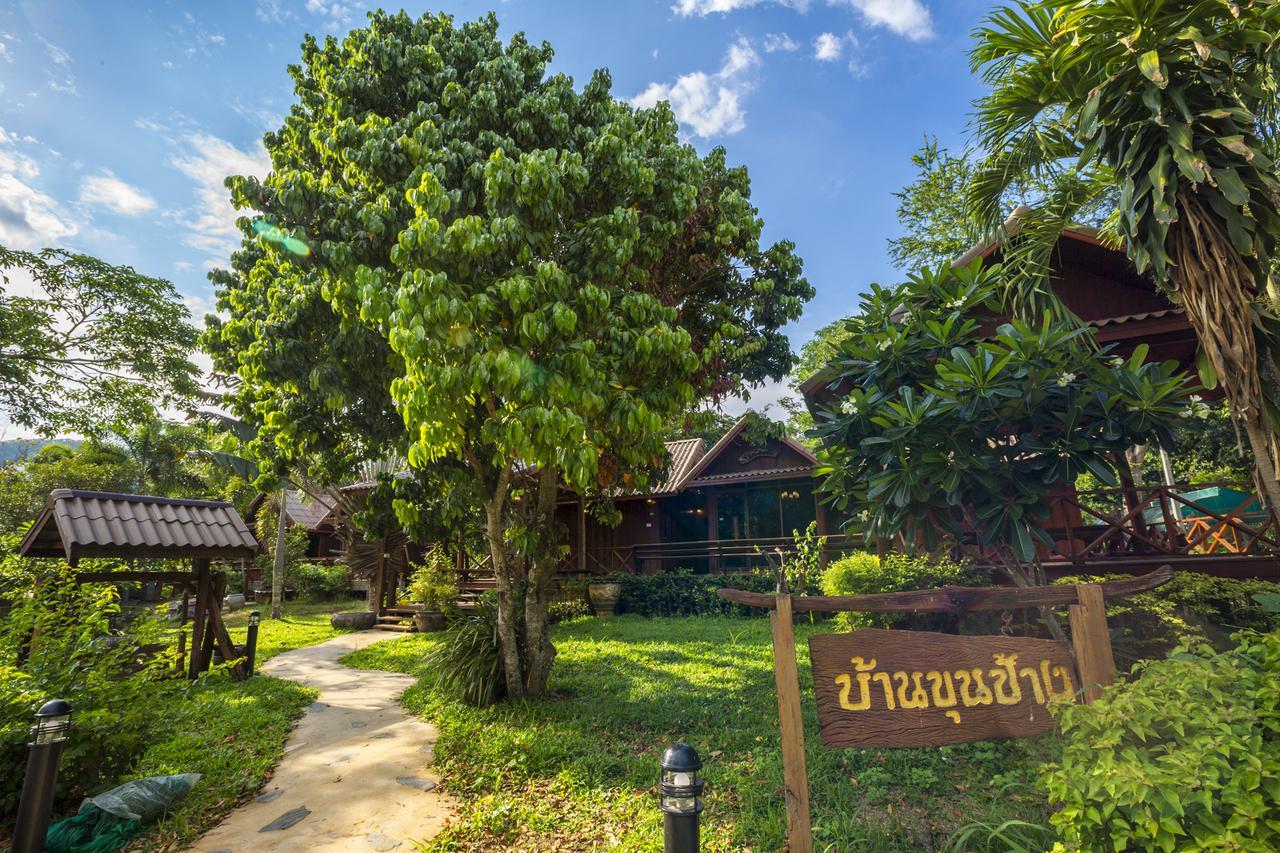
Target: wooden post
(791,721)
(1091,641)
(375,585)
(582,536)
(203,593)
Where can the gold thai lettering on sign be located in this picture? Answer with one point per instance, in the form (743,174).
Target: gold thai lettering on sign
(907,688)
(1048,681)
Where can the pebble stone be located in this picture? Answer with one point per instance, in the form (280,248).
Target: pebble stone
(287,819)
(415,782)
(378,841)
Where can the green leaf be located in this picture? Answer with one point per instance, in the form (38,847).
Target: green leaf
(1204,369)
(1233,189)
(1149,65)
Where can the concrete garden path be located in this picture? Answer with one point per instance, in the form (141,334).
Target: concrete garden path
(354,773)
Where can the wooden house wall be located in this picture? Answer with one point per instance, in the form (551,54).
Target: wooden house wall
(740,457)
(639,525)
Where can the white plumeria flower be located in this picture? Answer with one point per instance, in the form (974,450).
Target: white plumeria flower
(1065,379)
(1116,361)
(849,406)
(885,344)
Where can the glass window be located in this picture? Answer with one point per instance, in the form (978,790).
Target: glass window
(763,515)
(684,517)
(798,507)
(731,517)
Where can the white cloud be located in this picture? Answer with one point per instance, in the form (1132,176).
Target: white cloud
(4,53)
(708,104)
(908,18)
(827,47)
(218,39)
(208,160)
(29,219)
(774,42)
(702,8)
(273,12)
(112,193)
(338,13)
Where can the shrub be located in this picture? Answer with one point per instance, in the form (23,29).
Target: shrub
(1185,756)
(434,584)
(52,646)
(860,573)
(682,593)
(321,581)
(1192,606)
(467,663)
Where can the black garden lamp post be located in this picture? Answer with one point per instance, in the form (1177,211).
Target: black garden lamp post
(680,797)
(48,736)
(251,642)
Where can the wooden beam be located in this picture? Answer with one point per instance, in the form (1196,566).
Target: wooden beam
(795,776)
(950,599)
(204,592)
(136,577)
(1091,640)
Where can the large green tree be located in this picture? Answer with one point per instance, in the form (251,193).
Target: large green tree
(84,343)
(530,279)
(1171,102)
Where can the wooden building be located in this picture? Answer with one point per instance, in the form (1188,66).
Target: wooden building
(715,511)
(1139,528)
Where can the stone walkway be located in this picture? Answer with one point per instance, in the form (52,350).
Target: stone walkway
(354,773)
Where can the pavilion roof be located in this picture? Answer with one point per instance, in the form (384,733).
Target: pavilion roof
(76,524)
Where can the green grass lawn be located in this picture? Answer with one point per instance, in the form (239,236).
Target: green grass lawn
(302,624)
(577,771)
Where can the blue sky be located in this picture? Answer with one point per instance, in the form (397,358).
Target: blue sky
(119,120)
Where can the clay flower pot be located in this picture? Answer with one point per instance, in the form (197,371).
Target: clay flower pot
(604,598)
(428,620)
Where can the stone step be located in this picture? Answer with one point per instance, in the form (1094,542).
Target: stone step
(400,629)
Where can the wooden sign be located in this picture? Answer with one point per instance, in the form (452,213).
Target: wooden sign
(914,688)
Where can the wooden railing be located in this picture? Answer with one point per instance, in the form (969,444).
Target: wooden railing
(718,555)
(1158,521)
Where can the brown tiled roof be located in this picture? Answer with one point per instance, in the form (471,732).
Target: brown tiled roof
(762,474)
(684,455)
(304,511)
(77,524)
(1133,318)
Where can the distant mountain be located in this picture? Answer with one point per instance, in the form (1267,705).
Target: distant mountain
(20,448)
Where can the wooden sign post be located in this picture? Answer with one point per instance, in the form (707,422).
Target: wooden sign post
(882,688)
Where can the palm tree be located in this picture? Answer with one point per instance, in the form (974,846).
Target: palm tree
(1171,105)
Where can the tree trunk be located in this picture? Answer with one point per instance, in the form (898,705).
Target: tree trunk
(277,569)
(539,652)
(1217,291)
(507,576)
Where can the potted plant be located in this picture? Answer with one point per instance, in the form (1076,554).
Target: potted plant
(434,589)
(604,597)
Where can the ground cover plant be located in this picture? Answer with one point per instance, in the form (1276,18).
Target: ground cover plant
(576,770)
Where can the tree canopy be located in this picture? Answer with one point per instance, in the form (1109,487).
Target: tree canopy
(948,433)
(84,343)
(533,277)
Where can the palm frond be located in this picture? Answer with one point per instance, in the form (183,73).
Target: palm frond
(245,469)
(223,422)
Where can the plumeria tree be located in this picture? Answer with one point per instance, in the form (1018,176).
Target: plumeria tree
(530,280)
(950,430)
(1173,104)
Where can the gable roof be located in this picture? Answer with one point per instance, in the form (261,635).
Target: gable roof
(76,524)
(685,455)
(695,473)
